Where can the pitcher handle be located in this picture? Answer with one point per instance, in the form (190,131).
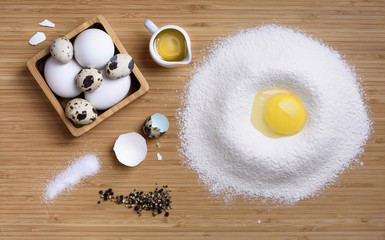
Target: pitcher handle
(150,26)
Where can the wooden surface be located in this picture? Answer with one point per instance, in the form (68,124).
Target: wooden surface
(35,142)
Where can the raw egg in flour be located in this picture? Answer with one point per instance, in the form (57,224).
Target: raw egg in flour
(277,112)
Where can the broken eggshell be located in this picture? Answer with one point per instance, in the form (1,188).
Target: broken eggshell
(47,23)
(38,38)
(130,149)
(156,125)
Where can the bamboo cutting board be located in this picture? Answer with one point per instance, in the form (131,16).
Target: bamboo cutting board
(35,143)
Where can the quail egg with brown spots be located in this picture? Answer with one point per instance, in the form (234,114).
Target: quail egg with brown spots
(119,66)
(89,79)
(80,111)
(155,125)
(62,50)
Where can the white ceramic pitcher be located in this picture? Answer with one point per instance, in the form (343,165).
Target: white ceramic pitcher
(154,30)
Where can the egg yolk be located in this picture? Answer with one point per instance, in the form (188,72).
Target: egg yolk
(170,45)
(277,112)
(285,114)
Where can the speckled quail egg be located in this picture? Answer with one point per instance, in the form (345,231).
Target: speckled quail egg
(119,66)
(89,79)
(80,111)
(155,125)
(62,50)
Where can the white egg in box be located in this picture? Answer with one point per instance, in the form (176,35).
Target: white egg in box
(61,77)
(110,92)
(93,48)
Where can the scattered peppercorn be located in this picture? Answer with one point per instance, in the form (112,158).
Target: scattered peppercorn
(158,201)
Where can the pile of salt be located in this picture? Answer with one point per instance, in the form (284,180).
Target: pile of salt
(83,167)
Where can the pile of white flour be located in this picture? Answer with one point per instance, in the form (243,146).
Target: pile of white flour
(231,156)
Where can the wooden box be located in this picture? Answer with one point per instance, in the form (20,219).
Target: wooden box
(139,85)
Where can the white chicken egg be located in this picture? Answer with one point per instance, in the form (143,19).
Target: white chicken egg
(109,93)
(93,48)
(61,77)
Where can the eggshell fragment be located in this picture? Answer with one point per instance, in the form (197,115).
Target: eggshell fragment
(130,149)
(156,125)
(47,23)
(39,37)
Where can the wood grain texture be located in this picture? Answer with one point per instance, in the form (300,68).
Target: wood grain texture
(35,143)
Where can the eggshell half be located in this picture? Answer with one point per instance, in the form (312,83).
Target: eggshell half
(130,149)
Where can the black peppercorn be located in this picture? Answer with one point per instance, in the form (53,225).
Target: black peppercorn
(157,201)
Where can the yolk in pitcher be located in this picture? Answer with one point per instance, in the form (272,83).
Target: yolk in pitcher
(170,45)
